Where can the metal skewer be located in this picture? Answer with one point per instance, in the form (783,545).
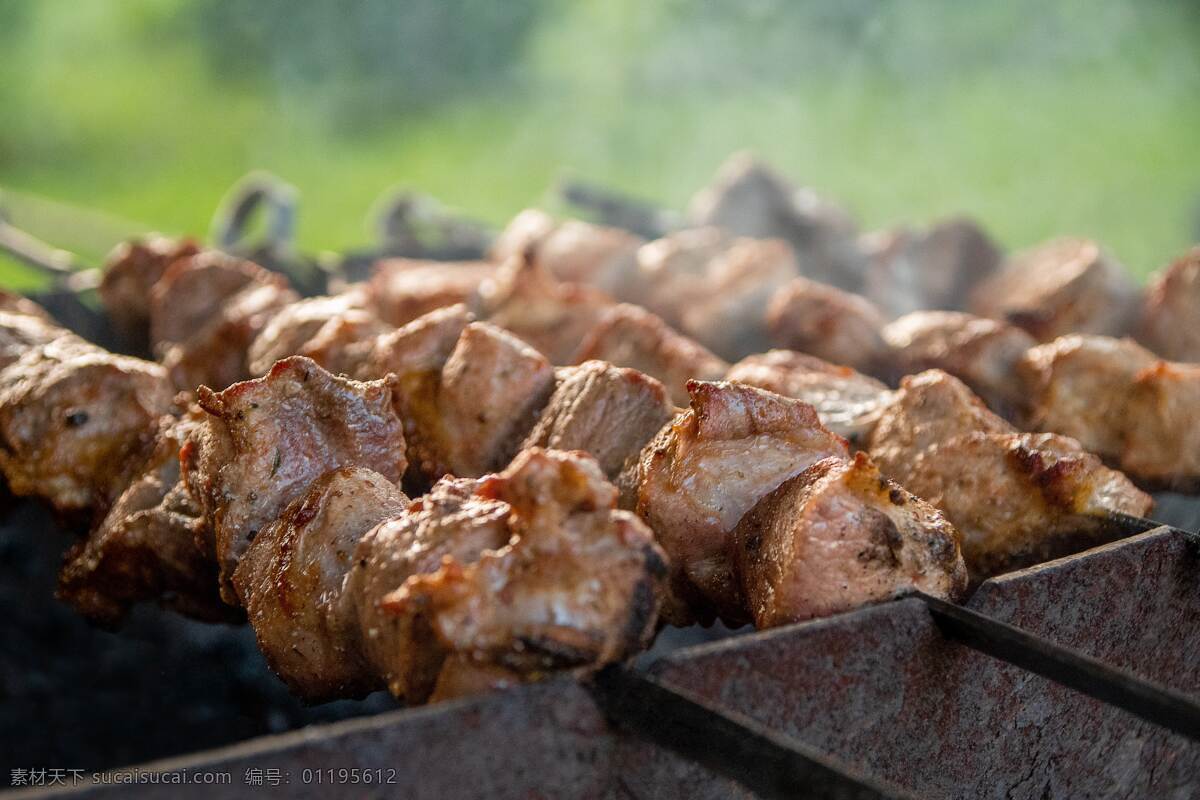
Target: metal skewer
(732,744)
(1142,698)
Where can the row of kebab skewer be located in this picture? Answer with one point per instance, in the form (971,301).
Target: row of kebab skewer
(457,476)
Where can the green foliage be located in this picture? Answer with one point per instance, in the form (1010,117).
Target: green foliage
(1037,117)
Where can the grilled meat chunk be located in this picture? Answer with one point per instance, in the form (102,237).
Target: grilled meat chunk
(451,521)
(1014,497)
(838,536)
(628,336)
(929,408)
(1120,402)
(291,579)
(672,272)
(706,469)
(1063,286)
(291,330)
(574,587)
(1170,322)
(526,300)
(130,273)
(608,412)
(982,353)
(205,313)
(75,421)
(848,402)
(727,316)
(267,439)
(12,303)
(1021,498)
(21,332)
(148,546)
(747,198)
(1162,445)
(826,322)
(931,269)
(1078,386)
(400,289)
(469,417)
(571,251)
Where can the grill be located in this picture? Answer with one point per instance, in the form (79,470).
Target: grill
(1072,678)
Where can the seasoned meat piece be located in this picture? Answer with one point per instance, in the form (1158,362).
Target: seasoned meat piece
(575,587)
(606,411)
(1162,440)
(848,402)
(1120,402)
(1063,286)
(344,344)
(130,272)
(76,420)
(147,548)
(21,332)
(420,347)
(294,326)
(1170,323)
(929,408)
(697,478)
(628,336)
(749,199)
(1015,498)
(266,440)
(826,322)
(553,317)
(217,354)
(469,418)
(932,269)
(728,317)
(838,536)
(1020,498)
(401,289)
(522,236)
(290,580)
(193,290)
(672,272)
(580,252)
(451,521)
(1079,386)
(982,353)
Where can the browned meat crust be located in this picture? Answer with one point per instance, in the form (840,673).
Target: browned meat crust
(838,536)
(1120,402)
(130,272)
(401,289)
(291,577)
(1170,323)
(21,332)
(575,586)
(826,322)
(1063,286)
(848,402)
(526,300)
(469,417)
(572,251)
(451,521)
(289,332)
(608,412)
(1014,497)
(266,440)
(75,421)
(982,353)
(629,336)
(706,469)
(205,312)
(148,547)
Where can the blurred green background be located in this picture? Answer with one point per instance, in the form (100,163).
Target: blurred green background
(1037,117)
